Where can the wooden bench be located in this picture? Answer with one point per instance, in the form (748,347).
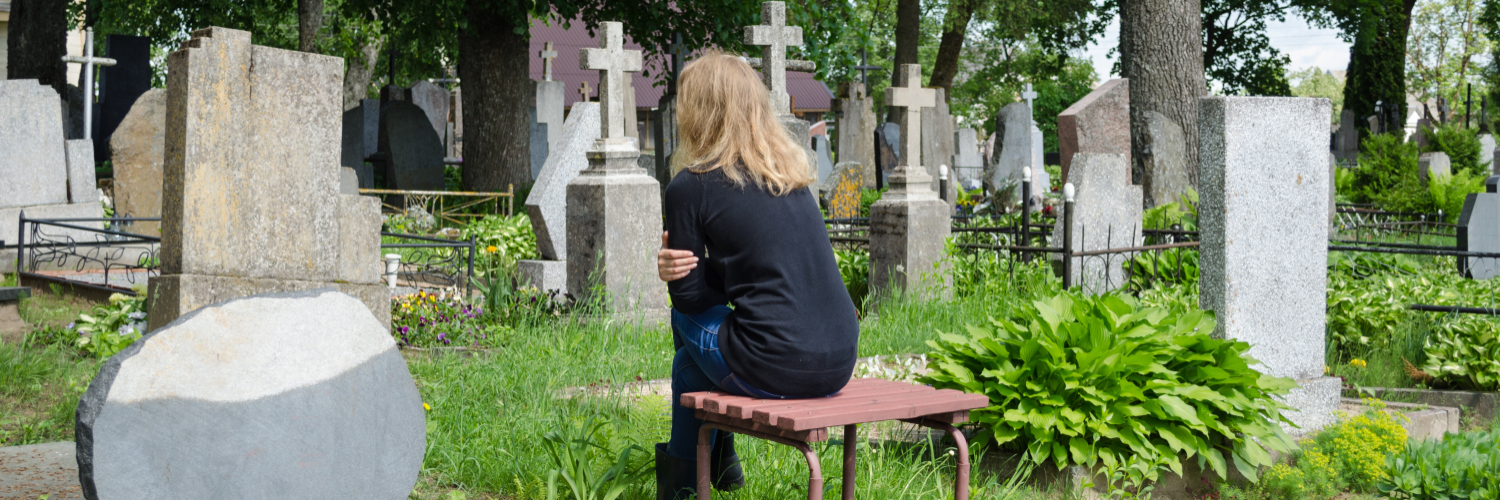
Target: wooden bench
(797,422)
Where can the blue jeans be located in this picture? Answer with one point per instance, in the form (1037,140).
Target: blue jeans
(699,366)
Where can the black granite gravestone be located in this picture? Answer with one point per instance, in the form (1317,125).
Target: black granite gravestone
(887,151)
(119,86)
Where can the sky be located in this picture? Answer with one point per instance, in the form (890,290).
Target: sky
(1304,43)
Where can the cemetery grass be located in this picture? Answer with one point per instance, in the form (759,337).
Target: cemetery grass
(39,389)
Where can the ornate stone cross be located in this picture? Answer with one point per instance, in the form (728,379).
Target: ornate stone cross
(547,55)
(612,62)
(913,97)
(88,61)
(775,36)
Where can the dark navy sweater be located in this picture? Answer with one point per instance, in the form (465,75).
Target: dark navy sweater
(794,331)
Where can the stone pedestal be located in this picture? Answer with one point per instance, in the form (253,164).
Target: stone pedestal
(1263,219)
(545,275)
(908,228)
(12,328)
(614,229)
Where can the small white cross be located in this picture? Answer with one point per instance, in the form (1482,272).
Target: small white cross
(913,97)
(547,55)
(775,36)
(1028,95)
(88,61)
(612,62)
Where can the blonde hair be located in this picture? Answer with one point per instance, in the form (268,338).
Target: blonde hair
(725,121)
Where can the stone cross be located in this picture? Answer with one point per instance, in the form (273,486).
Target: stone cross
(88,61)
(612,62)
(864,66)
(547,55)
(913,98)
(775,36)
(1030,96)
(585,91)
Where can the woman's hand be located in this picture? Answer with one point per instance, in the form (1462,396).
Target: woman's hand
(672,265)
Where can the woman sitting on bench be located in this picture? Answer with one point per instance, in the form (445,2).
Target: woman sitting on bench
(766,314)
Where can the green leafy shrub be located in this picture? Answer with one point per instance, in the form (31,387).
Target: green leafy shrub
(1460,144)
(1387,175)
(501,242)
(1310,476)
(109,328)
(1448,193)
(574,449)
(854,268)
(1102,380)
(1461,466)
(1464,353)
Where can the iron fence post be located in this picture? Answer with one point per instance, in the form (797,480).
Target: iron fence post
(469,278)
(20,246)
(1069,194)
(1025,210)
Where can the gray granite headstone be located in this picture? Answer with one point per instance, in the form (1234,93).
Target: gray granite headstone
(1166,158)
(434,101)
(825,157)
(887,150)
(549,108)
(1013,151)
(937,139)
(547,203)
(1107,215)
(413,151)
(1098,123)
(242,164)
(120,85)
(361,140)
(539,144)
(1433,165)
(1486,150)
(33,160)
(283,395)
(1479,231)
(82,188)
(1263,219)
(967,164)
(136,149)
(1346,139)
(856,128)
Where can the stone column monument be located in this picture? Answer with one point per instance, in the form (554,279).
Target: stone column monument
(1263,175)
(775,36)
(909,223)
(250,198)
(614,208)
(549,100)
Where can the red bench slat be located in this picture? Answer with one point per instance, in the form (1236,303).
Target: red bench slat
(716,401)
(806,436)
(875,413)
(744,409)
(770,415)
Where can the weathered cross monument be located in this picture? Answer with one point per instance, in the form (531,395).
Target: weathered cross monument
(909,224)
(614,208)
(774,36)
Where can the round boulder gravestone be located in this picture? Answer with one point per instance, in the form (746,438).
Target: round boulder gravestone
(288,395)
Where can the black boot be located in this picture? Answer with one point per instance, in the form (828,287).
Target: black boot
(724,464)
(676,479)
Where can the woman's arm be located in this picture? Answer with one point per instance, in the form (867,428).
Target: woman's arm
(672,265)
(683,246)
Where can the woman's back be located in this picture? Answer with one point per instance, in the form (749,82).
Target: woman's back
(794,331)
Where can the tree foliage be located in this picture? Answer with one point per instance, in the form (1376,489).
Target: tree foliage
(1236,51)
(1443,49)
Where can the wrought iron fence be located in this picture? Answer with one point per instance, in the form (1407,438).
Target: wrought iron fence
(452,206)
(849,234)
(91,260)
(431,262)
(1369,222)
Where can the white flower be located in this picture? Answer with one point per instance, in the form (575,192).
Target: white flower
(137,315)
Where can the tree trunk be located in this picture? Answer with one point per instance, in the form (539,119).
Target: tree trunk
(1161,53)
(952,44)
(1377,65)
(309,21)
(497,95)
(908,38)
(361,69)
(37,41)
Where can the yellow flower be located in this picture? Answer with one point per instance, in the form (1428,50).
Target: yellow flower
(1359,363)
(426,406)
(492,249)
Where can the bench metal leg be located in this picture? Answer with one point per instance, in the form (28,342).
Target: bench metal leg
(814,468)
(961,476)
(849,471)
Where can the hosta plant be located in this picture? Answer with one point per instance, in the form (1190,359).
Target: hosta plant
(1463,353)
(1104,381)
(1461,466)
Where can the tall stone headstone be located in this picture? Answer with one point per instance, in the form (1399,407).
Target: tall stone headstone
(967,163)
(413,151)
(549,108)
(909,225)
(547,204)
(119,86)
(250,198)
(1433,165)
(1098,123)
(1486,151)
(1263,221)
(289,395)
(361,140)
(1166,156)
(41,173)
(434,101)
(137,151)
(614,209)
(856,127)
(887,151)
(842,190)
(1016,147)
(1346,139)
(1106,215)
(1479,231)
(937,139)
(539,144)
(825,157)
